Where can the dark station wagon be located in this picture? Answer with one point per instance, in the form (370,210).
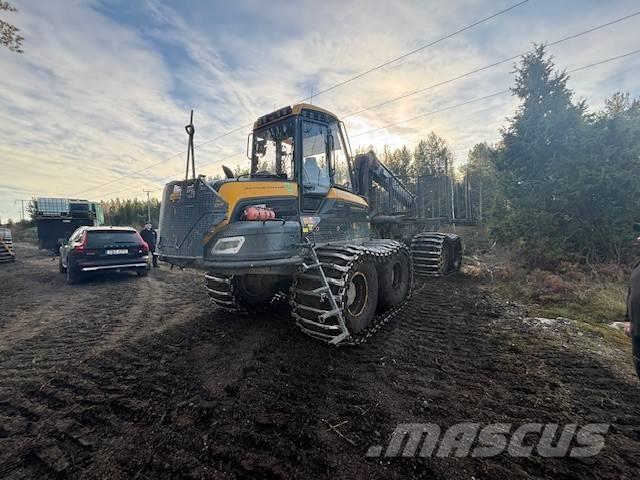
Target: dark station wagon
(97,249)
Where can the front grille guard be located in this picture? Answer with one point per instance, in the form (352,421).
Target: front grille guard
(189,210)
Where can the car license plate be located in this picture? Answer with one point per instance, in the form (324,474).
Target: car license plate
(120,251)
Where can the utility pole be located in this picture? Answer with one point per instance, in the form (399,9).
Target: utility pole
(148,205)
(22,205)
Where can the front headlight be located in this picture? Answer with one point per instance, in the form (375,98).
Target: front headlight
(229,245)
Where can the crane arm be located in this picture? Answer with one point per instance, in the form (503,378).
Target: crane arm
(385,192)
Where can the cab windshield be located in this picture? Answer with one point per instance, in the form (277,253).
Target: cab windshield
(273,148)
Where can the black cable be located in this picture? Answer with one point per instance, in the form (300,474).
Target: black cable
(433,112)
(486,67)
(451,107)
(412,52)
(501,92)
(362,74)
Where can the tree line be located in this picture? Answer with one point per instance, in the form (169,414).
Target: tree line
(130,212)
(563,181)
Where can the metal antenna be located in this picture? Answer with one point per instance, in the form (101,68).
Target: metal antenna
(22,205)
(190,151)
(148,205)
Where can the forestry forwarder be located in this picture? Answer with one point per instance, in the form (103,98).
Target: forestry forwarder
(336,233)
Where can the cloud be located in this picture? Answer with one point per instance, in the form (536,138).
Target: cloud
(104,88)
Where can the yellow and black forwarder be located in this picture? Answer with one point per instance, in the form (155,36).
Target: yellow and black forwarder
(336,234)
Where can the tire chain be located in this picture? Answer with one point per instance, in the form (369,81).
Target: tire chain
(424,244)
(380,251)
(236,306)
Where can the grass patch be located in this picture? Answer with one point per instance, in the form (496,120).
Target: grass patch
(594,304)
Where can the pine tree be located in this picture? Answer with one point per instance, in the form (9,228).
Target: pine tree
(432,156)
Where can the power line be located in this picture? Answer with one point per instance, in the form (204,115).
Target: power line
(635,52)
(164,179)
(419,49)
(451,107)
(333,87)
(485,97)
(487,67)
(162,161)
(403,96)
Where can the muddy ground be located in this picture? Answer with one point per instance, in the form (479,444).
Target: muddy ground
(126,377)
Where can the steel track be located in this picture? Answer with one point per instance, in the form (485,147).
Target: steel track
(338,262)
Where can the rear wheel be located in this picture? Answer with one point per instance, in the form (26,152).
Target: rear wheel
(243,293)
(394,280)
(455,261)
(253,292)
(73,275)
(436,254)
(636,352)
(143,272)
(361,297)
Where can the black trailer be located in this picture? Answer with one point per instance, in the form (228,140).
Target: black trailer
(58,218)
(51,230)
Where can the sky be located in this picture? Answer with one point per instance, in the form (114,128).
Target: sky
(104,87)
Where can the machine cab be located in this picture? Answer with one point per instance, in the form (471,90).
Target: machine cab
(305,144)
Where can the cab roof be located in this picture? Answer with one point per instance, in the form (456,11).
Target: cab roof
(313,111)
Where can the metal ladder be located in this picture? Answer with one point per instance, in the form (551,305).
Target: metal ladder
(324,292)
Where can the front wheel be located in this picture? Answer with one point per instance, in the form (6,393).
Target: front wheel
(61,267)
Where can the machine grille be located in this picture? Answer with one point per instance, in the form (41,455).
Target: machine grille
(189,210)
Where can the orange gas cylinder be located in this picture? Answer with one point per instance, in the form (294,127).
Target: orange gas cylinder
(259,213)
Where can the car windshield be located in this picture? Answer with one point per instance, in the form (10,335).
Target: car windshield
(119,237)
(273,148)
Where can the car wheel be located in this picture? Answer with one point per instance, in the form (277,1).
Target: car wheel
(73,276)
(61,268)
(143,272)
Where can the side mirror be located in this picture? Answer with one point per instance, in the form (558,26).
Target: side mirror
(249,137)
(330,146)
(227,172)
(636,227)
(62,242)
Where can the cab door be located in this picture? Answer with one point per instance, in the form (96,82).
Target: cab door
(315,177)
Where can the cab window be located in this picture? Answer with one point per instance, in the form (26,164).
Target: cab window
(273,150)
(341,175)
(315,166)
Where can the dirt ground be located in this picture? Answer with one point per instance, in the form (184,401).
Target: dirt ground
(126,377)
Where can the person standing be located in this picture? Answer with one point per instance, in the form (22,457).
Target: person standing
(150,236)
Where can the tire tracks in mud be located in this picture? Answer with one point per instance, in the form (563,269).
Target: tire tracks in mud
(171,388)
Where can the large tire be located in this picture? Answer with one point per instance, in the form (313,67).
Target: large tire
(455,260)
(636,352)
(73,275)
(394,280)
(254,292)
(361,296)
(61,268)
(633,309)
